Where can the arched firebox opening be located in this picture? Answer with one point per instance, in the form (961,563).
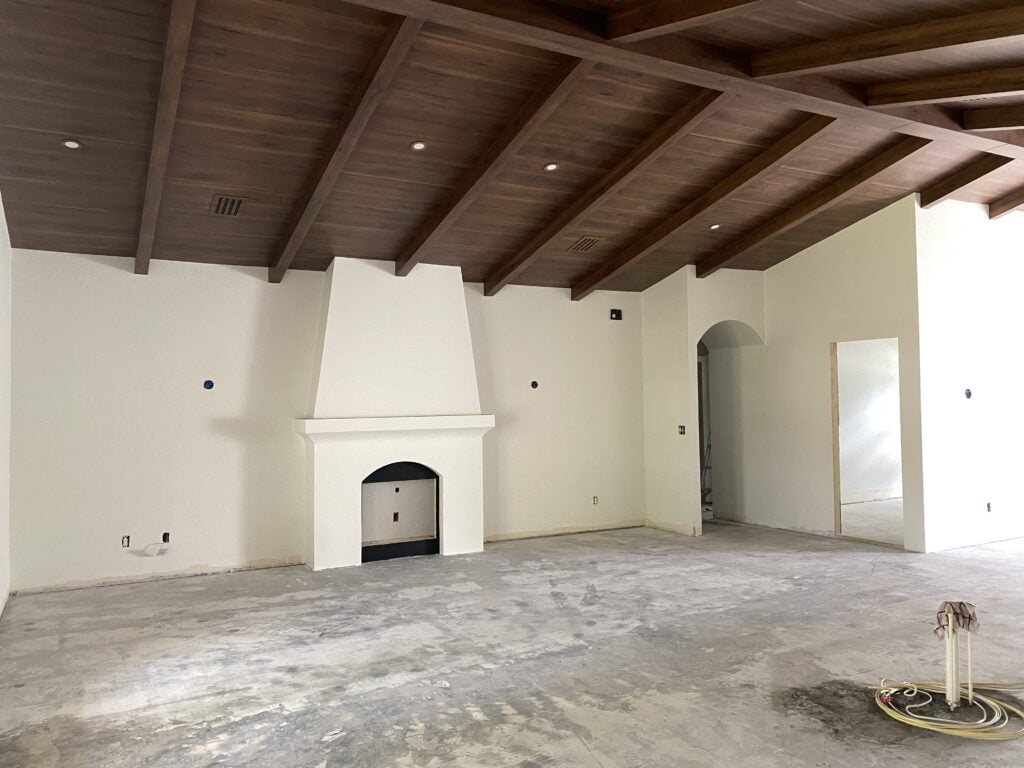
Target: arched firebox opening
(401,512)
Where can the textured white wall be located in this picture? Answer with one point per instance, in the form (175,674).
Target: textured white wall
(5,409)
(580,433)
(669,386)
(395,346)
(113,432)
(869,420)
(858,284)
(678,312)
(971,270)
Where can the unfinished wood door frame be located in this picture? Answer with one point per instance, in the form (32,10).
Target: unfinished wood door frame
(836,478)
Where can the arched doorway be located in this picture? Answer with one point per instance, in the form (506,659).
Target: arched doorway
(720,359)
(401,514)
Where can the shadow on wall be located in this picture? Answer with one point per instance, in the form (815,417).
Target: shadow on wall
(267,451)
(720,382)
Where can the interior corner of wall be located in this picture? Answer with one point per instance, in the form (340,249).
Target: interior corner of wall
(318,358)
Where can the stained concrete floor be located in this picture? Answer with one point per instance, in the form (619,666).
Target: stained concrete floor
(745,647)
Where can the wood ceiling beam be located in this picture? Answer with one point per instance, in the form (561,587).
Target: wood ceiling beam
(541,26)
(1004,205)
(756,169)
(664,17)
(890,41)
(654,146)
(497,156)
(361,106)
(990,83)
(963,177)
(819,201)
(179,32)
(994,118)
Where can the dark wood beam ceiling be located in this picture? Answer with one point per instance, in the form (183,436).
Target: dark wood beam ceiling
(511,140)
(989,83)
(663,17)
(389,56)
(296,114)
(815,203)
(653,147)
(945,188)
(757,168)
(537,25)
(1004,205)
(1001,118)
(179,32)
(891,41)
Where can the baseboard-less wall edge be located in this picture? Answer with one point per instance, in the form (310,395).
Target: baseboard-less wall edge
(256,565)
(3,604)
(828,534)
(683,528)
(861,540)
(862,497)
(564,531)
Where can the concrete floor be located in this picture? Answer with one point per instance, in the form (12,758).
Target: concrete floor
(636,648)
(875,520)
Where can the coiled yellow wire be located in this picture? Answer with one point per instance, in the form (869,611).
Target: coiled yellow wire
(993,726)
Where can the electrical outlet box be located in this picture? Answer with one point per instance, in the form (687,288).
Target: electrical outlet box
(616,314)
(595,501)
(682,429)
(166,538)
(988,506)
(126,541)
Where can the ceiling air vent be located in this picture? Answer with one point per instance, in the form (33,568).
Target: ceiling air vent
(223,205)
(584,244)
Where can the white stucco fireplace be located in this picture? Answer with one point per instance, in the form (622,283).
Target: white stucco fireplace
(342,452)
(396,382)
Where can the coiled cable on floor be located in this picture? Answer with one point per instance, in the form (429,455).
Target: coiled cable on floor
(904,701)
(971,715)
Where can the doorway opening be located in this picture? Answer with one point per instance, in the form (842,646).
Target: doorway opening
(866,440)
(721,355)
(707,498)
(400,512)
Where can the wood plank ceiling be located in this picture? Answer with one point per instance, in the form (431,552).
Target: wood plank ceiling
(596,145)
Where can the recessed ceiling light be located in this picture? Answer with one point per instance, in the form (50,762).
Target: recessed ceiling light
(72,143)
(418,146)
(714,226)
(551,167)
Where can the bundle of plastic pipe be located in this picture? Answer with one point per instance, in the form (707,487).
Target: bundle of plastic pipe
(983,717)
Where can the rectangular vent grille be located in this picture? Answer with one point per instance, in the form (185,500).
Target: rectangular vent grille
(222,205)
(584,244)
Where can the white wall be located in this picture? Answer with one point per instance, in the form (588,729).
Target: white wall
(580,433)
(869,420)
(971,271)
(113,432)
(5,409)
(858,284)
(395,346)
(677,312)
